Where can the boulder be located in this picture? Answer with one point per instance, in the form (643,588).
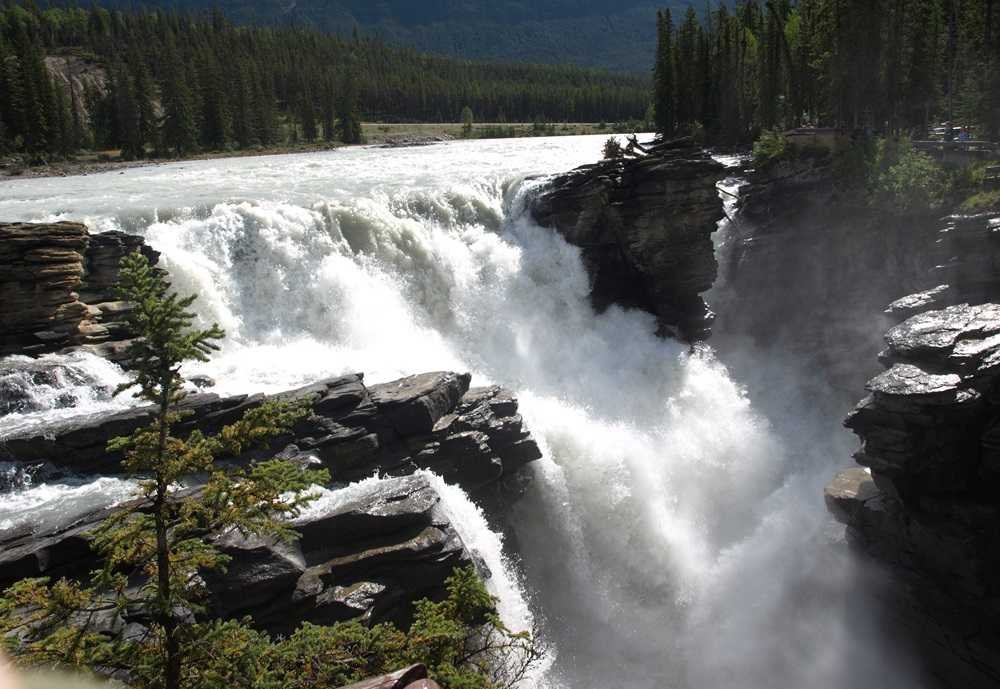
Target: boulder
(644,226)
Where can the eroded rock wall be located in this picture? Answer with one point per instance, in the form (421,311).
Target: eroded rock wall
(644,226)
(925,501)
(57,288)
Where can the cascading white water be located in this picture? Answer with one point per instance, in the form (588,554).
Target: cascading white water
(669,538)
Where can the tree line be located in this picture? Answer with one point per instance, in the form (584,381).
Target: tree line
(887,66)
(151,81)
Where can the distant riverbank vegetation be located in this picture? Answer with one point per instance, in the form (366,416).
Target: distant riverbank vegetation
(150,83)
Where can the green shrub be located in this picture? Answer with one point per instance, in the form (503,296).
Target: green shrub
(982,202)
(770,147)
(613,149)
(907,181)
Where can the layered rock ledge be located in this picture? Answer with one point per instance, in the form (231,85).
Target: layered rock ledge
(472,437)
(57,288)
(644,226)
(367,556)
(927,502)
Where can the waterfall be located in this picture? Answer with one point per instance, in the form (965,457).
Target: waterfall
(671,537)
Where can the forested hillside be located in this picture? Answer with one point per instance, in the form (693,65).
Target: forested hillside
(177,83)
(890,67)
(592,33)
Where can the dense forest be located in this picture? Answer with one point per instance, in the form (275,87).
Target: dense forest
(887,66)
(591,33)
(151,81)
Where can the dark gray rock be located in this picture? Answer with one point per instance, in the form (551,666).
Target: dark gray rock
(929,509)
(368,558)
(644,226)
(473,438)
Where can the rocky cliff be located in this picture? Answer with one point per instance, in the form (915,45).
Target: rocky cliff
(806,272)
(924,503)
(644,226)
(57,288)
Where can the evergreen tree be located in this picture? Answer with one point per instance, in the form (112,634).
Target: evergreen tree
(163,535)
(146,121)
(663,75)
(178,129)
(349,119)
(216,122)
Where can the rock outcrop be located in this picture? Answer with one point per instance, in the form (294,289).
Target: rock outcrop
(644,226)
(367,557)
(473,437)
(56,290)
(927,502)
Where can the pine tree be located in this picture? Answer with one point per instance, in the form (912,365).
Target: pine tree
(178,129)
(663,75)
(146,121)
(127,132)
(307,114)
(686,65)
(164,535)
(349,120)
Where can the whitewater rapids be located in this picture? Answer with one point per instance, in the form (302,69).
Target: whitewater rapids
(670,538)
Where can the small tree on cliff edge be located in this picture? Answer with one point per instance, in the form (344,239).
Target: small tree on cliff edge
(162,540)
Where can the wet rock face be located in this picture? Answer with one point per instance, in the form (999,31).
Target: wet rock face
(57,288)
(644,227)
(368,558)
(474,438)
(927,504)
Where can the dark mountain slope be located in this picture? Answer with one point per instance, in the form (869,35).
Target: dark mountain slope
(594,33)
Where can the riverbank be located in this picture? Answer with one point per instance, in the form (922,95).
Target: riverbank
(376,134)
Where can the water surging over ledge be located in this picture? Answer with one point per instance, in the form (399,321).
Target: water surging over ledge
(669,538)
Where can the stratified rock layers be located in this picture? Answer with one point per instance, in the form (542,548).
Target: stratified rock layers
(57,288)
(928,504)
(368,557)
(645,229)
(471,437)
